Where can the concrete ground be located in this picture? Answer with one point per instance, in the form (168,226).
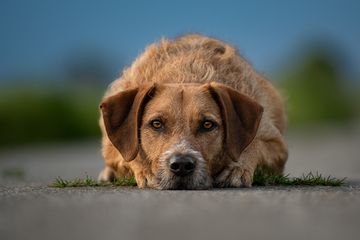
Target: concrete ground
(29,209)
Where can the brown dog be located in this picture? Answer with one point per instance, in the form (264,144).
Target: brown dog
(191,114)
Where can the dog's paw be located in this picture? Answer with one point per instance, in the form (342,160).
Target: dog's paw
(107,175)
(145,181)
(235,175)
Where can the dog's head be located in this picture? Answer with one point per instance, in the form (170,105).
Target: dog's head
(184,135)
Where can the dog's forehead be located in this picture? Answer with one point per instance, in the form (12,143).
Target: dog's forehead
(176,98)
(183,84)
(193,94)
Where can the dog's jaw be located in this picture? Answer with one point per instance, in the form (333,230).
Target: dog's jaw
(199,179)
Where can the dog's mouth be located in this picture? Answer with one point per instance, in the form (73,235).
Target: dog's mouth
(180,185)
(194,181)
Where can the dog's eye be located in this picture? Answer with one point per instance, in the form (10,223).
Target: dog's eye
(207,125)
(156,124)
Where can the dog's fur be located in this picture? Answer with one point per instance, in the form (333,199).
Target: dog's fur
(184,83)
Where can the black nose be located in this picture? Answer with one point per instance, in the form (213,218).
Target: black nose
(182,165)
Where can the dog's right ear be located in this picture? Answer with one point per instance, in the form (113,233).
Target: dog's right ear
(122,115)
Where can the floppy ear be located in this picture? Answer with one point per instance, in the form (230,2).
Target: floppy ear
(122,115)
(241,115)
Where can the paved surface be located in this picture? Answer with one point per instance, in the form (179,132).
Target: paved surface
(29,209)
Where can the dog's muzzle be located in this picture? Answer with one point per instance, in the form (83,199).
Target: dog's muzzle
(182,164)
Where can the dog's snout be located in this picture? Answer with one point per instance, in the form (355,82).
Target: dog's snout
(182,165)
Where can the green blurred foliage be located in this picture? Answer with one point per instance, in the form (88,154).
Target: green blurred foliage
(316,91)
(40,114)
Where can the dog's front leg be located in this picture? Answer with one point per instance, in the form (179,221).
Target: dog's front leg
(258,153)
(239,174)
(107,175)
(143,176)
(116,166)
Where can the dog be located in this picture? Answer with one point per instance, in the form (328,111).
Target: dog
(191,113)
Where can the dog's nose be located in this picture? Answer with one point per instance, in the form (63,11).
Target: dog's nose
(182,164)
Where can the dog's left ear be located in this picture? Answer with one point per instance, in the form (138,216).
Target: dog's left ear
(241,115)
(122,115)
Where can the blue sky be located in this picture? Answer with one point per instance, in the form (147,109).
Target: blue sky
(38,38)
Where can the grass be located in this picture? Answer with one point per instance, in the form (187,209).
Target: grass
(90,182)
(266,178)
(261,178)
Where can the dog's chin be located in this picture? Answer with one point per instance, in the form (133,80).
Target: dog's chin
(191,182)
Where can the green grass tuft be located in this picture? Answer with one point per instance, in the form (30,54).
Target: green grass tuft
(266,178)
(261,178)
(90,182)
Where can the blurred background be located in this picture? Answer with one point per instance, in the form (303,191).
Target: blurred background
(57,59)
